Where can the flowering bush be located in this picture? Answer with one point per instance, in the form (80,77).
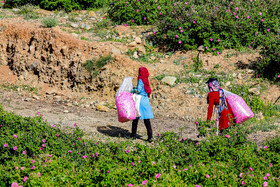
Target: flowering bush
(47,156)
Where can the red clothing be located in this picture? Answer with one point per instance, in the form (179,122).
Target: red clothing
(226,115)
(143,75)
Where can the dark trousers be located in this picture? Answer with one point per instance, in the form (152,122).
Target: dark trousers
(148,127)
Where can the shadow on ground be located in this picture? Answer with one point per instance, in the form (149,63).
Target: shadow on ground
(114,131)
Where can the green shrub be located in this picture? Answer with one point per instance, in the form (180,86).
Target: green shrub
(49,22)
(28,11)
(94,66)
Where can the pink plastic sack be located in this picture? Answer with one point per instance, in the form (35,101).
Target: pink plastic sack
(240,109)
(124,101)
(125,106)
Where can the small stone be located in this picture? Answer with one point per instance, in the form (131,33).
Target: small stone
(141,50)
(36,97)
(132,44)
(28,99)
(102,108)
(115,51)
(138,40)
(92,14)
(74,25)
(66,111)
(135,55)
(227,83)
(259,116)
(169,80)
(239,76)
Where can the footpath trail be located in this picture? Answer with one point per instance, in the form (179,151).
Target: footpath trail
(95,124)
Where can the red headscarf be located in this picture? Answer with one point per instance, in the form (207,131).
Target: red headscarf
(143,75)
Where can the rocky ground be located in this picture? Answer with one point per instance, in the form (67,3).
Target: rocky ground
(41,70)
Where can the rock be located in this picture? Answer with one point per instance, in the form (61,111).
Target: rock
(27,99)
(152,57)
(74,25)
(132,44)
(75,35)
(138,40)
(250,71)
(36,97)
(255,90)
(141,50)
(135,55)
(169,80)
(234,74)
(115,51)
(66,111)
(102,108)
(239,76)
(259,116)
(92,14)
(227,83)
(85,26)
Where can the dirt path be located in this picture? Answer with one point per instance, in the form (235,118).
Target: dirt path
(99,125)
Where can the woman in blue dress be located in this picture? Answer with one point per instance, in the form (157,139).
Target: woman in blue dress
(145,110)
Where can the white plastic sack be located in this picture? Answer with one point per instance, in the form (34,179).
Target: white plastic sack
(240,109)
(126,85)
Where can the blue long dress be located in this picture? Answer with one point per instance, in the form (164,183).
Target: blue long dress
(145,106)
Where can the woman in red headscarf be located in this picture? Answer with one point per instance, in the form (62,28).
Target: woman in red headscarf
(145,110)
(216,97)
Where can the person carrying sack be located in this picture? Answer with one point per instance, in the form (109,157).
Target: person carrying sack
(216,96)
(145,110)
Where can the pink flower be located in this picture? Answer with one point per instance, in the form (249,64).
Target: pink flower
(96,154)
(24,152)
(25,179)
(268,30)
(261,20)
(186,3)
(132,21)
(137,10)
(265,178)
(213,49)
(236,17)
(180,42)
(208,176)
(256,33)
(144,182)
(43,140)
(158,7)
(243,183)
(191,6)
(249,47)
(234,13)
(165,36)
(22,168)
(206,47)
(15,148)
(50,161)
(158,134)
(270,165)
(41,148)
(231,3)
(218,40)
(240,175)
(197,143)
(260,13)
(57,135)
(53,125)
(267,174)
(227,136)
(145,18)
(181,31)
(46,160)
(33,167)
(265,147)
(132,163)
(278,76)
(154,33)
(251,169)
(227,10)
(14,184)
(69,151)
(265,184)
(15,136)
(125,25)
(158,175)
(193,22)
(160,13)
(39,174)
(248,17)
(84,156)
(127,151)
(218,53)
(44,145)
(211,39)
(75,124)
(174,4)
(197,186)
(129,185)
(217,7)
(49,156)
(176,36)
